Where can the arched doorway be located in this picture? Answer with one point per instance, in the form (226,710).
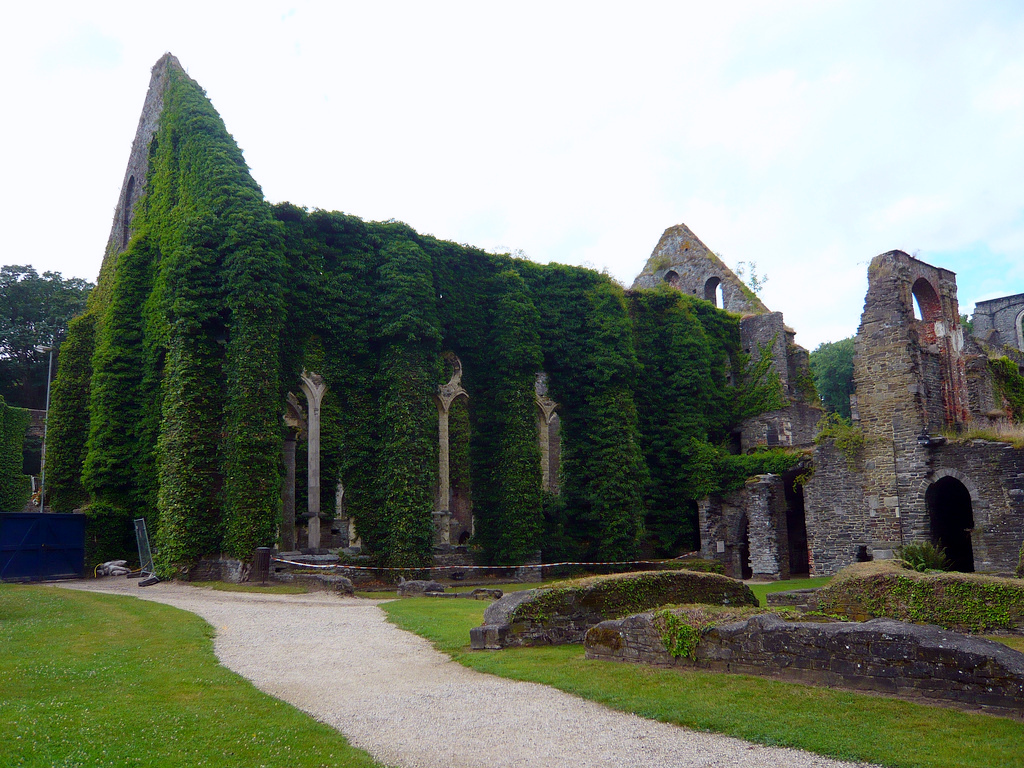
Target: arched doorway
(952,518)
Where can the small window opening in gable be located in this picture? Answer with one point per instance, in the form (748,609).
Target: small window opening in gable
(713,292)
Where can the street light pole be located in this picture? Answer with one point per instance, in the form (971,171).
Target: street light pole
(46,428)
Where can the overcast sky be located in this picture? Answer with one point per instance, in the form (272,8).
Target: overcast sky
(806,137)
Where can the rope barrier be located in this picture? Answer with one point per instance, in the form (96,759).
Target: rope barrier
(463,567)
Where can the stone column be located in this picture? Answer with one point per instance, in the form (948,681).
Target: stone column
(314,388)
(545,412)
(444,398)
(287,536)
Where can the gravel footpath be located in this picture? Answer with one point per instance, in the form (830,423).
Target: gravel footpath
(390,693)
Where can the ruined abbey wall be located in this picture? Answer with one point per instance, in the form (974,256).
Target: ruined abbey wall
(915,377)
(999,321)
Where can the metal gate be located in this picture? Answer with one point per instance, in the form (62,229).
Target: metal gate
(37,546)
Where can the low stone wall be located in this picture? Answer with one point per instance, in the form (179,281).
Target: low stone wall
(891,657)
(563,614)
(223,569)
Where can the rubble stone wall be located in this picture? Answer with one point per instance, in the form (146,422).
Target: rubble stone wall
(882,655)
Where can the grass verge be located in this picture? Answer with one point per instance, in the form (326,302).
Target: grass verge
(271,589)
(103,680)
(761,591)
(830,722)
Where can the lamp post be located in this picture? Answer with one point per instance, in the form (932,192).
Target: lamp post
(46,427)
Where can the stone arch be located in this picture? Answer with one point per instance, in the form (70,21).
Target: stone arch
(927,299)
(126,210)
(1018,325)
(672,278)
(950,504)
(713,291)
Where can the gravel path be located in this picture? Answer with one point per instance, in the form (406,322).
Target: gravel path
(408,705)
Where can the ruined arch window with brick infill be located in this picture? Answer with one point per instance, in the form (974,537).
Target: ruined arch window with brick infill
(927,306)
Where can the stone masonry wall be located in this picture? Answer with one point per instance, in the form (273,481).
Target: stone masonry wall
(683,261)
(1003,316)
(993,473)
(138,160)
(756,512)
(837,514)
(882,655)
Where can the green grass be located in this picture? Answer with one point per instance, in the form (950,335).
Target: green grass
(761,590)
(272,589)
(102,680)
(830,722)
(1014,641)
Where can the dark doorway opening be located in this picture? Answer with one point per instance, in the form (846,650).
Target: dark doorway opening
(952,519)
(742,567)
(796,526)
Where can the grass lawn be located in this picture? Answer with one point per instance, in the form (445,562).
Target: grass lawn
(102,680)
(830,722)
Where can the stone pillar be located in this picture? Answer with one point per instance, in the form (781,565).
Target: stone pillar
(287,536)
(446,395)
(442,511)
(314,388)
(545,413)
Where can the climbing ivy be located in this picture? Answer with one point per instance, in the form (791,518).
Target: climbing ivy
(14,484)
(200,328)
(69,416)
(1009,386)
(963,602)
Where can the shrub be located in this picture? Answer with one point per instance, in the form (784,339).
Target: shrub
(924,556)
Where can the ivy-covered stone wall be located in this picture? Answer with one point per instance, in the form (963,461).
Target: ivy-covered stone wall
(211,302)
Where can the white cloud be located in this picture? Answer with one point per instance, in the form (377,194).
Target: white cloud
(806,137)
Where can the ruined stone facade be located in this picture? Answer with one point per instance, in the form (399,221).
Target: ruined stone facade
(914,377)
(684,262)
(758,531)
(1000,322)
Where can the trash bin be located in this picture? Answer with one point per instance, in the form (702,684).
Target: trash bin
(261,564)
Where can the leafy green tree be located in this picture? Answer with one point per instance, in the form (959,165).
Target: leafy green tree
(34,311)
(832,367)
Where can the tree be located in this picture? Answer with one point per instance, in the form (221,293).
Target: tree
(832,367)
(34,311)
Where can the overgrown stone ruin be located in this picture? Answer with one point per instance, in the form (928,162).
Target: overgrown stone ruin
(245,389)
(898,477)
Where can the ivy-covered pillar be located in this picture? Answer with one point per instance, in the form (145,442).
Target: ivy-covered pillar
(314,388)
(446,395)
(545,413)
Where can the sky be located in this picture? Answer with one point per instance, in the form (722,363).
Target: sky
(806,137)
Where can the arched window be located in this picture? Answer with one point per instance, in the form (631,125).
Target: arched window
(672,278)
(927,306)
(126,210)
(713,292)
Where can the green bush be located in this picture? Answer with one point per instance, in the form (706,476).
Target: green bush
(924,556)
